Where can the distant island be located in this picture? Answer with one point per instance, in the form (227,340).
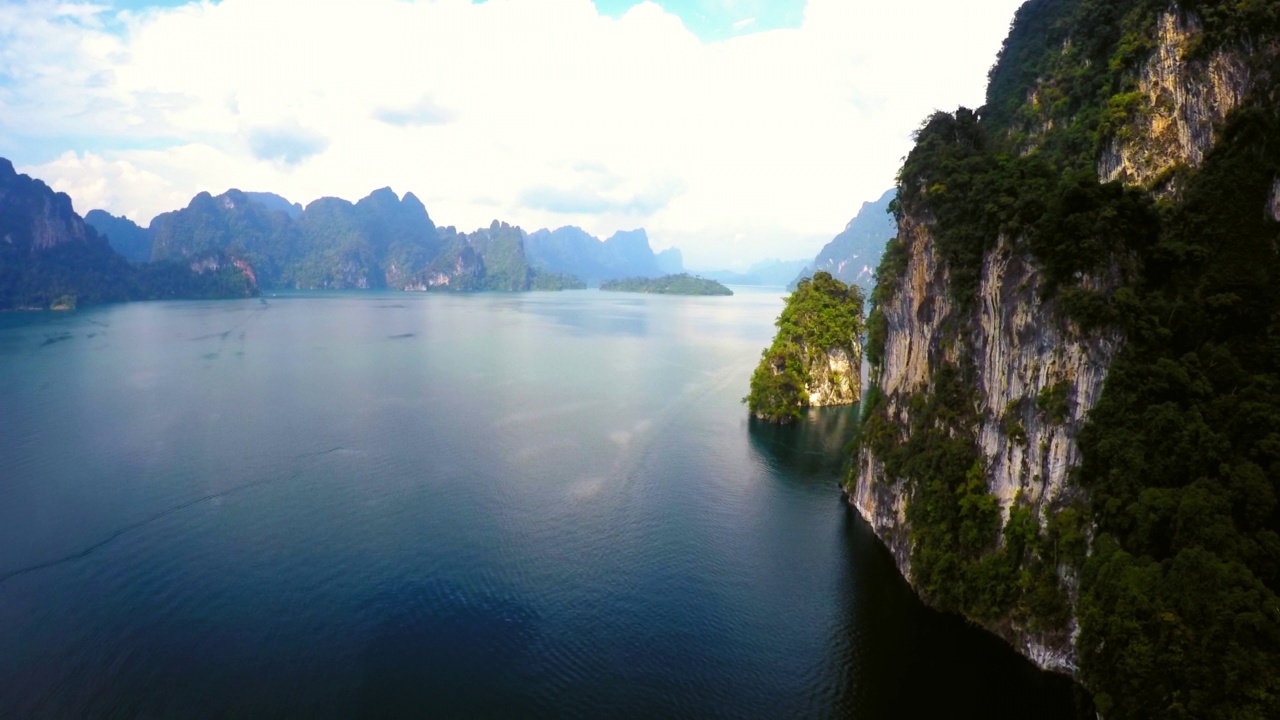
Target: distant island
(681,284)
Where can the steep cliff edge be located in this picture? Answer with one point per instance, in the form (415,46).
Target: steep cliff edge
(1081,296)
(816,358)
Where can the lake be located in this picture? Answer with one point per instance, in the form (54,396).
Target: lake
(399,505)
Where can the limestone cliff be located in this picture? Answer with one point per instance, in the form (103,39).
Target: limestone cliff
(1173,117)
(834,376)
(1017,347)
(996,318)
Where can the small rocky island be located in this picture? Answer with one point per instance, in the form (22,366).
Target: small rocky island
(816,357)
(681,284)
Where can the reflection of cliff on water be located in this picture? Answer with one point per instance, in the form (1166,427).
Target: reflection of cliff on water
(812,447)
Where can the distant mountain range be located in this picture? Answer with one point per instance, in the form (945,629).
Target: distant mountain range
(570,250)
(381,241)
(853,256)
(237,242)
(766,272)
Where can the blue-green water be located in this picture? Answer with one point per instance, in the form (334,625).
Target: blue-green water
(437,506)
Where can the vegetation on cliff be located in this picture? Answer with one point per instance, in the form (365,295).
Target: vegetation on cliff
(821,316)
(682,284)
(1177,599)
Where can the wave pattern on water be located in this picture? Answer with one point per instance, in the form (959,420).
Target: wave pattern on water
(118,532)
(540,505)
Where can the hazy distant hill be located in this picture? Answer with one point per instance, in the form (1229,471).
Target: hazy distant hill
(670,261)
(853,255)
(124,235)
(571,250)
(765,272)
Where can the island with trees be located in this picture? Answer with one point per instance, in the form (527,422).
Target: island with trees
(681,284)
(816,357)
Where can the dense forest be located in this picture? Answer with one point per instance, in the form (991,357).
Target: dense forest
(681,284)
(1175,540)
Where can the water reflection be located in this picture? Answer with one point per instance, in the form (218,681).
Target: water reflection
(812,447)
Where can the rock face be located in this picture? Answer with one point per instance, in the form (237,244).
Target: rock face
(835,376)
(1018,349)
(35,217)
(1036,375)
(1179,104)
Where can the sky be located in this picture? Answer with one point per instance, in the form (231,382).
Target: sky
(735,130)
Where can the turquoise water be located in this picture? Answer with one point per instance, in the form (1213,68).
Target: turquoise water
(396,505)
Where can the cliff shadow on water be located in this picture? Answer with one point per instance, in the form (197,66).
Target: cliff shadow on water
(907,660)
(811,448)
(902,659)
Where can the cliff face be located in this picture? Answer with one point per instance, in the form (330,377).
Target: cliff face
(35,218)
(835,376)
(1178,107)
(1017,348)
(1035,374)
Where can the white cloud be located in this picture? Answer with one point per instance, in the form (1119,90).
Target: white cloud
(538,112)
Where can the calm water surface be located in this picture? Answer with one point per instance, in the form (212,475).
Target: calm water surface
(390,505)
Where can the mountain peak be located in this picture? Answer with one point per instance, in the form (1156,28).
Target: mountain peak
(384,194)
(411,202)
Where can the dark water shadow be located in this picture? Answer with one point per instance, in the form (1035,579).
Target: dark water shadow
(902,659)
(54,339)
(440,649)
(811,448)
(909,660)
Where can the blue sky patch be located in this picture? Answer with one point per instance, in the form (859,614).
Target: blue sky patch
(722,19)
(710,20)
